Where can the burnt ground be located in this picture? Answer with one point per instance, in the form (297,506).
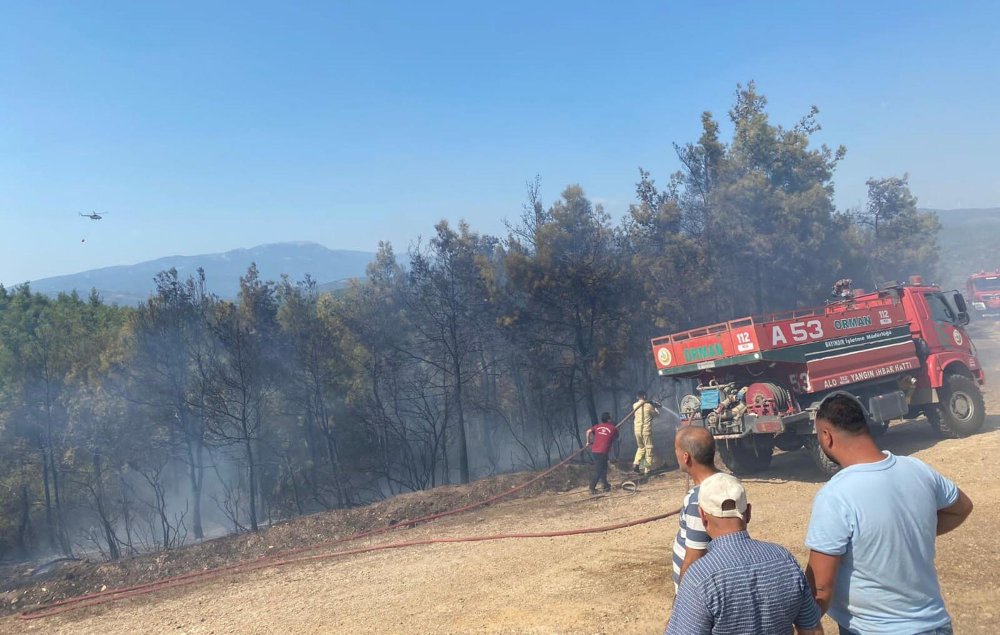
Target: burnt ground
(31,584)
(604,583)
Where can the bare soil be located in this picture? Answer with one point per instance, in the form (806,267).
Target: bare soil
(600,583)
(26,585)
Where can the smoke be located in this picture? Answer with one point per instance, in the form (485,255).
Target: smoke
(192,412)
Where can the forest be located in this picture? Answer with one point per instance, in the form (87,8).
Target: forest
(129,429)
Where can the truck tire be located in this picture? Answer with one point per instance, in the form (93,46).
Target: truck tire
(933,416)
(819,458)
(877,428)
(962,410)
(748,455)
(788,442)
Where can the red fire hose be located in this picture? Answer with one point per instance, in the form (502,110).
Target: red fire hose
(120,594)
(284,559)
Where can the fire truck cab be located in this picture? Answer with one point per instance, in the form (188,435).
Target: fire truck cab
(983,291)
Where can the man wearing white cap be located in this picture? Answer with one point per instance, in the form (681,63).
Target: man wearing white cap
(741,585)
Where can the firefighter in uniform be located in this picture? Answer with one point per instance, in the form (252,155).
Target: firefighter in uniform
(645,412)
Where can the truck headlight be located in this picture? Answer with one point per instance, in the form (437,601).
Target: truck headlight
(979,306)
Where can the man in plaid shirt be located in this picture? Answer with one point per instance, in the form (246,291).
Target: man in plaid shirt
(741,585)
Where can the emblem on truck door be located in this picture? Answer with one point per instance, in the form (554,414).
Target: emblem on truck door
(664,357)
(957,336)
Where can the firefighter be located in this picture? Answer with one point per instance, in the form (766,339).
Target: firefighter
(599,440)
(645,412)
(842,289)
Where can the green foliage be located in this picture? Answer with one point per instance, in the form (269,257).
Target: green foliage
(760,210)
(898,239)
(571,290)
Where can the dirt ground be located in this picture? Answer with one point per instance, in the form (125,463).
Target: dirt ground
(30,584)
(600,583)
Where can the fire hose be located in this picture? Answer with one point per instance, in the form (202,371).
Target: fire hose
(286,557)
(179,581)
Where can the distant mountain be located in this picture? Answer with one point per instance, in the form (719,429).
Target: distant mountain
(952,218)
(335,287)
(131,284)
(969,241)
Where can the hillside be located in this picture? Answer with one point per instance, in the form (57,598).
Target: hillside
(970,241)
(130,284)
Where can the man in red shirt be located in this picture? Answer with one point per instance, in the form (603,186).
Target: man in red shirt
(599,440)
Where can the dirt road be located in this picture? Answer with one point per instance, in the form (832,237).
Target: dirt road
(605,583)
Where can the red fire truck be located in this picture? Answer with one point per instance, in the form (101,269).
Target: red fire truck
(901,351)
(983,289)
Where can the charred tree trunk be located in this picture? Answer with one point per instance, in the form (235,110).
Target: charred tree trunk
(50,526)
(126,517)
(295,485)
(196,476)
(24,526)
(758,288)
(445,459)
(585,359)
(60,531)
(463,445)
(114,553)
(344,498)
(574,411)
(252,476)
(588,392)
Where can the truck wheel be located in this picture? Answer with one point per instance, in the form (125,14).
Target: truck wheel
(788,442)
(821,460)
(962,410)
(747,455)
(878,428)
(933,416)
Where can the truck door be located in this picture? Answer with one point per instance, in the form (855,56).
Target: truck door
(945,324)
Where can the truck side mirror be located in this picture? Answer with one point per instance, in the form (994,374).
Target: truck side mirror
(960,303)
(963,308)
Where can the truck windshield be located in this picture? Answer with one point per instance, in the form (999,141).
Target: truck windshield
(987,284)
(940,311)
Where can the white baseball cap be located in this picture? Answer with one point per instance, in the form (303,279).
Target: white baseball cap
(718,489)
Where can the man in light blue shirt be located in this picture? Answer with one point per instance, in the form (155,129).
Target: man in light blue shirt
(873,530)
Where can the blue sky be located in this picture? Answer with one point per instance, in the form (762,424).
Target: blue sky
(204,127)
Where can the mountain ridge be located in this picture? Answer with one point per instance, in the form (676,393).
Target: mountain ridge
(133,283)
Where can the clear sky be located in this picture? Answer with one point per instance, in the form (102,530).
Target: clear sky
(202,127)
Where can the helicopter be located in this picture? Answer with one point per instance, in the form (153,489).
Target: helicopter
(92,215)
